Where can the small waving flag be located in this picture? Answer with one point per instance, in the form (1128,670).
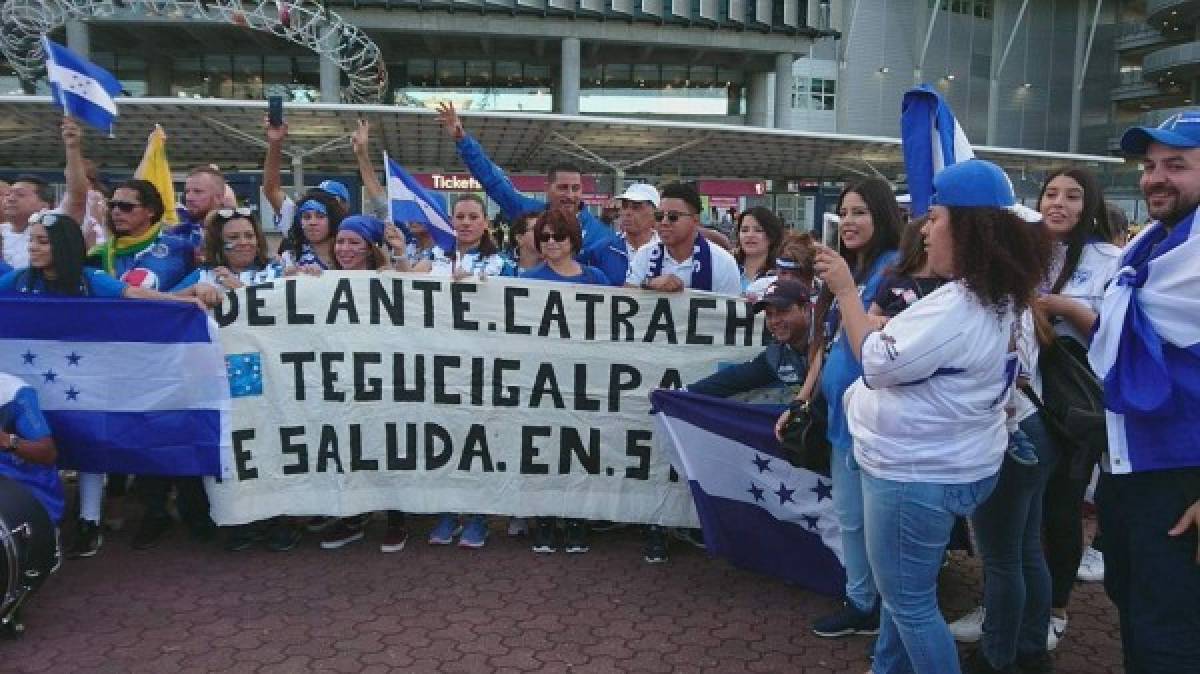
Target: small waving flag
(931,139)
(411,202)
(81,88)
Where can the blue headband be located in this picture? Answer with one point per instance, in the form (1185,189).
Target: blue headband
(312,205)
(369,228)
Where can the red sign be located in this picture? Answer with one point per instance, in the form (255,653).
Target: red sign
(731,188)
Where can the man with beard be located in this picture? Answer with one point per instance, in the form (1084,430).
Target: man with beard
(564,190)
(203,193)
(1146,350)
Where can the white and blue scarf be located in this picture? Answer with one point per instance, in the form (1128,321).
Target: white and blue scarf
(1146,351)
(702,277)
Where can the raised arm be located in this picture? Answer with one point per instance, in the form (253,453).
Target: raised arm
(360,141)
(494,181)
(272,165)
(75,202)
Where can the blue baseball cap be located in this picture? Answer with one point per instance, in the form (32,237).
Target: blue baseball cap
(369,228)
(1181,130)
(336,189)
(973,182)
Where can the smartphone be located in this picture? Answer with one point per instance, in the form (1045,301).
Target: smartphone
(275,110)
(831,231)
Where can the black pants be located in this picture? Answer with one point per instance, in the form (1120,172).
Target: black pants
(190,498)
(1062,538)
(1152,578)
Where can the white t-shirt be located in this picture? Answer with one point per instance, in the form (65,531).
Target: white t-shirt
(726,279)
(1098,264)
(16,246)
(930,406)
(630,251)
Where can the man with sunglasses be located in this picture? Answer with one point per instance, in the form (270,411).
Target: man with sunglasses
(683,258)
(564,190)
(138,251)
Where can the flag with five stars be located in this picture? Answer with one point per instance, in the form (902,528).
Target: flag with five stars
(757,510)
(127,386)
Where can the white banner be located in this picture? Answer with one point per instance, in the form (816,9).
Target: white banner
(357,392)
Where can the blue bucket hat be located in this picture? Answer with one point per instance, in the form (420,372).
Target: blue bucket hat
(369,228)
(336,189)
(973,182)
(1181,131)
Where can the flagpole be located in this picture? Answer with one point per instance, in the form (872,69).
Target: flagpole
(62,101)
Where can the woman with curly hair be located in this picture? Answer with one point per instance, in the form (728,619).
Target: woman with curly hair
(928,415)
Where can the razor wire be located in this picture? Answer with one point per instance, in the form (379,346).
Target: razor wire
(307,23)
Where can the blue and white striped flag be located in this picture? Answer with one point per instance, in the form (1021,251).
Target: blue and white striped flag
(81,88)
(931,139)
(127,386)
(757,510)
(411,202)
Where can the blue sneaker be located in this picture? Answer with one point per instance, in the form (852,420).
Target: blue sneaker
(474,533)
(445,530)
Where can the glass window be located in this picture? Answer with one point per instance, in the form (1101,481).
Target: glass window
(704,77)
(537,75)
(647,75)
(451,73)
(420,73)
(479,74)
(618,76)
(729,76)
(675,76)
(508,74)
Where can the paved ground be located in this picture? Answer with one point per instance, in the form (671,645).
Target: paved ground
(192,607)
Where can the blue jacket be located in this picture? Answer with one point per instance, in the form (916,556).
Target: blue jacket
(776,365)
(601,247)
(20,414)
(841,368)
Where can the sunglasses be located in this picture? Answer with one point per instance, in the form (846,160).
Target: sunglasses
(123,206)
(671,216)
(557,236)
(231,213)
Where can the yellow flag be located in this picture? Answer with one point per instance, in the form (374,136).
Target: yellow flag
(155,169)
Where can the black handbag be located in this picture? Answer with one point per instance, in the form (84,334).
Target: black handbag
(805,444)
(1072,403)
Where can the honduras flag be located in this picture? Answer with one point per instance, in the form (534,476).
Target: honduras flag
(931,140)
(81,88)
(1146,350)
(757,510)
(411,202)
(127,386)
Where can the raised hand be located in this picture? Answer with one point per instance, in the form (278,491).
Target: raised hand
(450,120)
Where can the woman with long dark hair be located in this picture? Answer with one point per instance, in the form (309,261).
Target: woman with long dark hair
(870,230)
(928,416)
(759,235)
(309,243)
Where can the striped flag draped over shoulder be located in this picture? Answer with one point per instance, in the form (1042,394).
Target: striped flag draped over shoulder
(411,202)
(81,88)
(932,140)
(127,386)
(757,510)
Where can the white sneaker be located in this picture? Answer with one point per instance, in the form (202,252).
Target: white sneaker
(1091,567)
(1058,627)
(969,628)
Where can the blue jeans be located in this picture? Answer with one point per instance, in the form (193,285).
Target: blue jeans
(907,528)
(1152,578)
(1016,580)
(848,504)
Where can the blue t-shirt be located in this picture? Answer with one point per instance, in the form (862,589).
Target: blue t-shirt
(4,268)
(589,275)
(188,229)
(168,259)
(95,284)
(20,414)
(841,368)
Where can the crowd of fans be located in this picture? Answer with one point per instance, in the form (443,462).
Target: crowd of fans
(919,341)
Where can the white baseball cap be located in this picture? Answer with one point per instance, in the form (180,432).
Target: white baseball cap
(641,192)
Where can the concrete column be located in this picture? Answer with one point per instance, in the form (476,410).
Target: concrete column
(78,39)
(331,76)
(1000,16)
(298,174)
(783,91)
(1081,30)
(158,76)
(568,77)
(757,87)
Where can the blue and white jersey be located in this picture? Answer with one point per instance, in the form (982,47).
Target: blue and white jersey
(1098,265)
(930,405)
(164,263)
(249,277)
(308,257)
(95,283)
(20,414)
(474,263)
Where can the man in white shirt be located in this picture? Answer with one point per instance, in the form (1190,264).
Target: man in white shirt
(638,204)
(683,258)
